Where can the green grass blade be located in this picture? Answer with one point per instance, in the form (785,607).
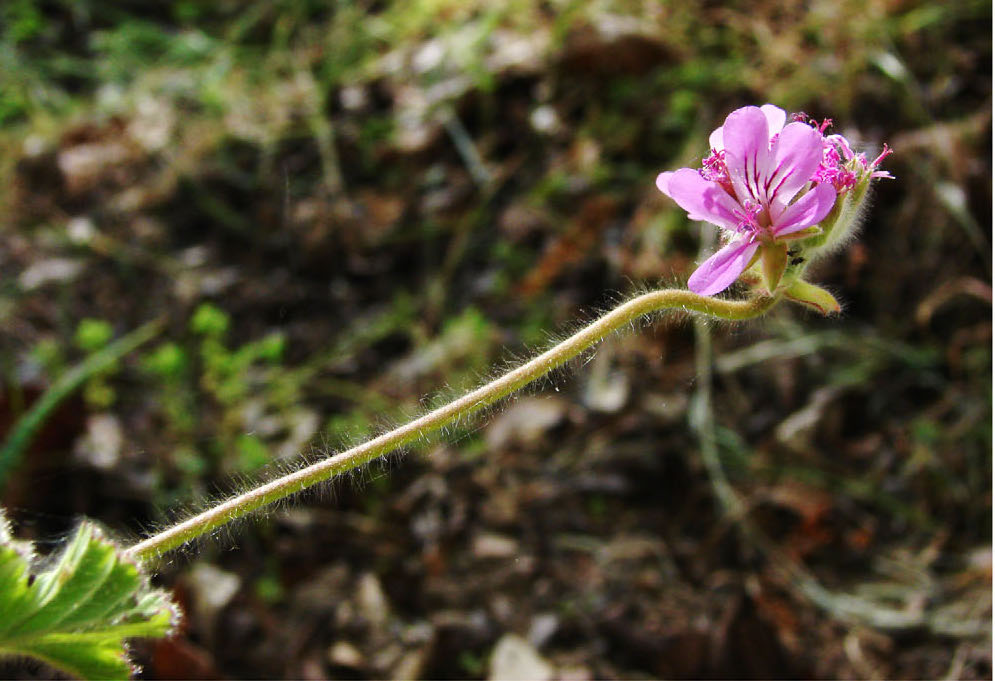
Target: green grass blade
(24,430)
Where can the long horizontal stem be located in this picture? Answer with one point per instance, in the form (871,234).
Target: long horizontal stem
(474,401)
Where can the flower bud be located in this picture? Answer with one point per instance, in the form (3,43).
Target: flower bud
(851,174)
(840,225)
(773,262)
(812,296)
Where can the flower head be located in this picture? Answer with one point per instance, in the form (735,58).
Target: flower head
(765,182)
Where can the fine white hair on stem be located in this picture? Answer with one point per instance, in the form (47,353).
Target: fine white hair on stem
(637,310)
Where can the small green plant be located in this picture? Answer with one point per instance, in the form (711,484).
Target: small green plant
(77,613)
(203,380)
(169,365)
(48,353)
(225,371)
(66,384)
(92,335)
(230,376)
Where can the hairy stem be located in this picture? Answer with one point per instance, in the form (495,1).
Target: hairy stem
(459,409)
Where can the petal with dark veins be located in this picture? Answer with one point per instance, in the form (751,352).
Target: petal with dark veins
(795,156)
(807,211)
(701,198)
(747,148)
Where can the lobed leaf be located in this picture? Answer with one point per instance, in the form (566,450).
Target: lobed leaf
(77,614)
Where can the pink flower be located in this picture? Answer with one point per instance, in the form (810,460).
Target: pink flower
(759,184)
(842,168)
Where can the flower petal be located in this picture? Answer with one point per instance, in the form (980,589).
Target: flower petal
(715,140)
(663,180)
(701,198)
(718,272)
(795,156)
(775,119)
(807,211)
(747,147)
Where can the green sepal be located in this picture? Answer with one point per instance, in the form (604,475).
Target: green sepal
(814,230)
(77,614)
(812,296)
(841,221)
(773,262)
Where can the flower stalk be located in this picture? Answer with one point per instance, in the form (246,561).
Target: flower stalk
(463,407)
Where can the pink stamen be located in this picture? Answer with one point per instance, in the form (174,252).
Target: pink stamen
(802,117)
(885,153)
(841,144)
(713,169)
(749,217)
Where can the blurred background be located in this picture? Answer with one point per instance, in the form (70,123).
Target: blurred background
(276,227)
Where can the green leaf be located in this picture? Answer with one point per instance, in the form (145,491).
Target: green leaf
(774,260)
(77,614)
(210,321)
